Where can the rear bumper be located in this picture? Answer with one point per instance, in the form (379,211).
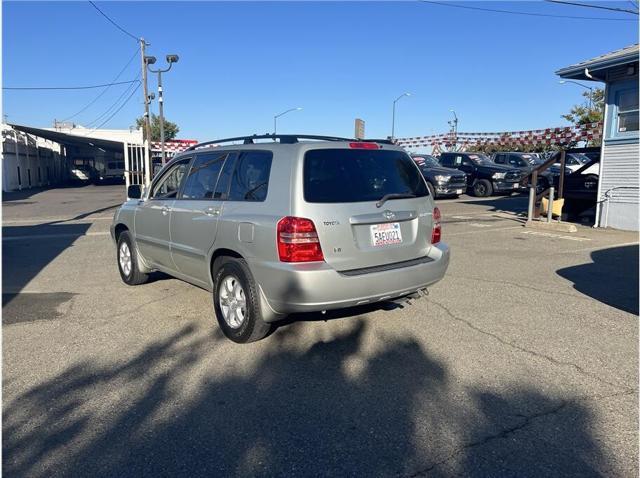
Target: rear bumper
(288,288)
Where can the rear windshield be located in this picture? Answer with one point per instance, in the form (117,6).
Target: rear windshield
(356,175)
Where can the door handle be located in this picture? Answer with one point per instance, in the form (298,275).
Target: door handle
(165,210)
(211,211)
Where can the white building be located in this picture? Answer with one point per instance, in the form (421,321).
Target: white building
(40,157)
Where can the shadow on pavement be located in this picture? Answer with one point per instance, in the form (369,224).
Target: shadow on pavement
(318,409)
(24,254)
(612,277)
(516,205)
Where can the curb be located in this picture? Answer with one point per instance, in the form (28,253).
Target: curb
(551,226)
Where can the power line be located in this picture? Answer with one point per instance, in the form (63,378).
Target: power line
(66,87)
(118,110)
(494,10)
(115,103)
(135,53)
(613,9)
(113,22)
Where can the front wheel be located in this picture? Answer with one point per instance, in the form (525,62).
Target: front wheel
(482,188)
(128,261)
(236,302)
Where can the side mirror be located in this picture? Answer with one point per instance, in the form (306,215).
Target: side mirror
(134,191)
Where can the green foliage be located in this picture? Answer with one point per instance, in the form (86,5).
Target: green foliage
(583,114)
(170,129)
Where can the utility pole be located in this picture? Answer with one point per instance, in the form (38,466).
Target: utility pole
(145,91)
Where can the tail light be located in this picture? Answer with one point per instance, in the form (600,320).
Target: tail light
(364,146)
(298,240)
(436,232)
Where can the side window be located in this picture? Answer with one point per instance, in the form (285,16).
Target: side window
(203,176)
(224,180)
(445,160)
(627,101)
(458,161)
(499,159)
(169,184)
(465,161)
(513,160)
(250,178)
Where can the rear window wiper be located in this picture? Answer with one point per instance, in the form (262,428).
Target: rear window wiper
(386,197)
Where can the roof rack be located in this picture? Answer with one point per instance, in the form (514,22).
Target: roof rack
(284,139)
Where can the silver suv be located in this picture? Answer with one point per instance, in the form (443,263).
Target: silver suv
(277,225)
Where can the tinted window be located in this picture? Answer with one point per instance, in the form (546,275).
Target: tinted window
(203,176)
(169,183)
(499,158)
(250,179)
(354,175)
(446,160)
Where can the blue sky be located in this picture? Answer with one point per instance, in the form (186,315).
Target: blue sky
(241,63)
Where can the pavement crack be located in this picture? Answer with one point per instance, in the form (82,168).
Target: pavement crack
(533,353)
(526,421)
(522,286)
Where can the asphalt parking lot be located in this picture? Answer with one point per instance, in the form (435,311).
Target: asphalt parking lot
(523,361)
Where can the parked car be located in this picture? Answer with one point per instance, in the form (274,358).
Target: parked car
(273,228)
(526,163)
(81,173)
(573,161)
(442,182)
(484,177)
(580,189)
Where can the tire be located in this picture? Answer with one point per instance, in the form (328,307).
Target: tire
(432,190)
(243,322)
(482,188)
(126,249)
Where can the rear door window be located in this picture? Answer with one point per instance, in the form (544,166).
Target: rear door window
(250,179)
(356,175)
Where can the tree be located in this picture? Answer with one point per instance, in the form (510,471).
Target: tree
(583,114)
(170,129)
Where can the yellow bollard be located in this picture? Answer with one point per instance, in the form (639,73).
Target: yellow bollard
(557,206)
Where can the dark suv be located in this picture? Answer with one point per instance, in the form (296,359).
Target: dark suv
(526,163)
(484,177)
(440,181)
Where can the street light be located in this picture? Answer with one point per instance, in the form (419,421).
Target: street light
(150,60)
(393,118)
(454,127)
(562,82)
(275,118)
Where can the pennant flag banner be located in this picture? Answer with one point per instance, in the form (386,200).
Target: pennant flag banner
(538,137)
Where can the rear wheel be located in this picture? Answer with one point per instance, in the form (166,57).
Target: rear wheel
(236,302)
(482,188)
(128,261)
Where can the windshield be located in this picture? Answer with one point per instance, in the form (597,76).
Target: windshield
(579,157)
(480,159)
(426,161)
(357,175)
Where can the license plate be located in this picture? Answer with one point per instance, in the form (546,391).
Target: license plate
(516,185)
(458,191)
(386,234)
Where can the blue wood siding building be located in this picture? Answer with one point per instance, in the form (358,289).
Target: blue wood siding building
(618,192)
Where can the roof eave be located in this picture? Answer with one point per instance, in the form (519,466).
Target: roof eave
(576,72)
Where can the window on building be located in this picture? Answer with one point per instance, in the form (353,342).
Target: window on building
(627,101)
